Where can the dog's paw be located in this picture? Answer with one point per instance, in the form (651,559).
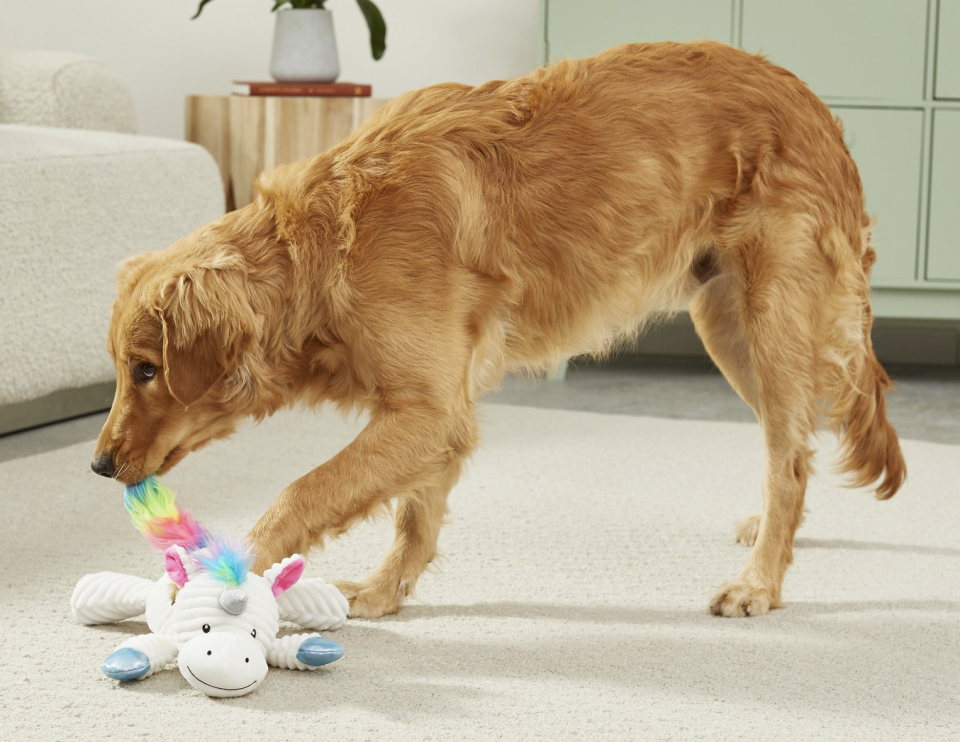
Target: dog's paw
(746,530)
(370,601)
(738,598)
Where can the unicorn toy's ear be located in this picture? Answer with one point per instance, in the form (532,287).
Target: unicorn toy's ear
(284,575)
(178,565)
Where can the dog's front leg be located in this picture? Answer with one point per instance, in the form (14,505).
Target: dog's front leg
(417,453)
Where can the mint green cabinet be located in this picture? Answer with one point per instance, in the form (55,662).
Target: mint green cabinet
(887,147)
(866,49)
(943,236)
(948,50)
(581,28)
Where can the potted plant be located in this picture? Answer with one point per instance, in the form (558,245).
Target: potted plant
(304,47)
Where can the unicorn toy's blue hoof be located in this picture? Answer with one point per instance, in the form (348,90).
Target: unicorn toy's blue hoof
(317,651)
(128,664)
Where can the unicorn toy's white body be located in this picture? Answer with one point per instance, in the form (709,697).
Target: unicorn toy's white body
(208,614)
(223,638)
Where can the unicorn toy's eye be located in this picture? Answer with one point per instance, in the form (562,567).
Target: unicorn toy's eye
(254,633)
(206,628)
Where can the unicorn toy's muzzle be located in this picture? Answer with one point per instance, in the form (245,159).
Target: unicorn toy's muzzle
(223,664)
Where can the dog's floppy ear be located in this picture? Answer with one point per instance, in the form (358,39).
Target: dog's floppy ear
(207,320)
(130,268)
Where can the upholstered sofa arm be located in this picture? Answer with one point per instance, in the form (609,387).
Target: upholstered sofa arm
(73,205)
(63,90)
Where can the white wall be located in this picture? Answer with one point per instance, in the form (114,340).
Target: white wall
(164,56)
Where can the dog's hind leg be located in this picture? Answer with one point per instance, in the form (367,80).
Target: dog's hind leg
(781,282)
(420,515)
(718,321)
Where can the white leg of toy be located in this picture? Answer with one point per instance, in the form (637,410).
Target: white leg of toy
(303,652)
(314,604)
(107,597)
(141,656)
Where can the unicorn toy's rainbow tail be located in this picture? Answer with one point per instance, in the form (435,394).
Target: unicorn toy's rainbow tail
(154,511)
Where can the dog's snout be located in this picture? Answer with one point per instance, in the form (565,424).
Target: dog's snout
(103,465)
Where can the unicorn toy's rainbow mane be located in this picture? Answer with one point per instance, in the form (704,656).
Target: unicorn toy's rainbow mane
(154,511)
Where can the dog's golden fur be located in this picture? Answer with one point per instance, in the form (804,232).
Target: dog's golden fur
(465,232)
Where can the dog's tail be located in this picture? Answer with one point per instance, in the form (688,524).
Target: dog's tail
(870,449)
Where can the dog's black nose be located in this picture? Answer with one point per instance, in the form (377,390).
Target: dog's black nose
(103,465)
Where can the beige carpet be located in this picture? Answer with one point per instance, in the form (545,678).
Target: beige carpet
(571,603)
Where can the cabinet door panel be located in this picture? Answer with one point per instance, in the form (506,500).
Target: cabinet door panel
(578,29)
(943,237)
(887,147)
(948,50)
(871,49)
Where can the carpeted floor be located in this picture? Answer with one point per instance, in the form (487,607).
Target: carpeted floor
(571,602)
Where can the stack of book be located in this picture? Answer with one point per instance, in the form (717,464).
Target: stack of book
(327,89)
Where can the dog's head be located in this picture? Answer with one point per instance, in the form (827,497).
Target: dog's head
(181,322)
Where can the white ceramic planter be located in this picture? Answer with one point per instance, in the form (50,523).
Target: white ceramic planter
(304,47)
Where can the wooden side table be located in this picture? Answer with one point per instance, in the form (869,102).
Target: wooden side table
(248,135)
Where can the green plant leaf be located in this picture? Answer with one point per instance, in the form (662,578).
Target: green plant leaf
(378,27)
(202,3)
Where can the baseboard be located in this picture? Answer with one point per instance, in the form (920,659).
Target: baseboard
(917,342)
(61,405)
(906,342)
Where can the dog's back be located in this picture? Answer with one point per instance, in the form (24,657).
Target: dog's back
(595,193)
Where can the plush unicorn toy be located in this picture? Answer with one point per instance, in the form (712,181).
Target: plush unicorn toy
(209,613)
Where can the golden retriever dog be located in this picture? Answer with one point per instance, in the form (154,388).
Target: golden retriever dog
(464,232)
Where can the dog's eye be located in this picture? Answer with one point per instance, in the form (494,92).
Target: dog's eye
(145,371)
(254,633)
(206,628)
